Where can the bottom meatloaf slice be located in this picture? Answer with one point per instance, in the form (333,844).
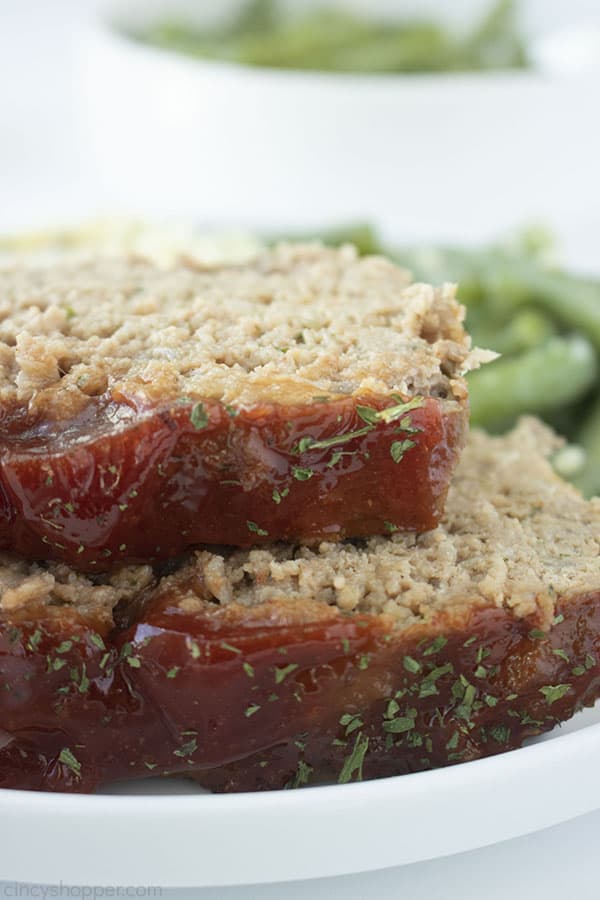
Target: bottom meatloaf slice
(282,666)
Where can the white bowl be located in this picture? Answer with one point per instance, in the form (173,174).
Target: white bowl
(427,156)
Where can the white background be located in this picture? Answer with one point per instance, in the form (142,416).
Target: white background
(48,173)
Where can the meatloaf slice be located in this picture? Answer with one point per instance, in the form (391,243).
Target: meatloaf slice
(307,395)
(283,666)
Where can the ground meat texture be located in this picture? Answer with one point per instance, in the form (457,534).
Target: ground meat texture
(143,412)
(284,666)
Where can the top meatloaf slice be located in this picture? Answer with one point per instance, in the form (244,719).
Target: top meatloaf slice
(284,665)
(307,395)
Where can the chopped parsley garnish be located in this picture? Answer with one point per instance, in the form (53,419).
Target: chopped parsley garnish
(187,749)
(436,645)
(353,764)
(281,672)
(554,692)
(351,722)
(68,759)
(199,416)
(256,529)
(399,448)
(97,641)
(536,635)
(278,496)
(400,725)
(251,710)
(302,474)
(411,665)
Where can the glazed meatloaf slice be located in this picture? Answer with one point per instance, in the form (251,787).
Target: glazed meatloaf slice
(283,666)
(307,395)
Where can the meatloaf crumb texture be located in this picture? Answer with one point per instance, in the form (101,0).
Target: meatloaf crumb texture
(299,321)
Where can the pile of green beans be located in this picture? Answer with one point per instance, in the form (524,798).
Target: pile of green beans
(335,40)
(543,320)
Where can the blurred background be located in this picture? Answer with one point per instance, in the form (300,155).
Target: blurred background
(95,121)
(461,137)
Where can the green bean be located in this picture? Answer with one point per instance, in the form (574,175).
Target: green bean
(527,329)
(543,379)
(574,301)
(329,39)
(588,437)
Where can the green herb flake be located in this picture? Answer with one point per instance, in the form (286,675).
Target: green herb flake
(34,640)
(302,474)
(254,708)
(363,662)
(346,646)
(561,654)
(134,662)
(480,672)
(411,665)
(400,725)
(68,759)
(281,672)
(64,647)
(225,646)
(335,458)
(97,641)
(199,416)
(558,619)
(590,662)
(278,496)
(554,692)
(256,529)
(248,669)
(192,647)
(438,644)
(470,640)
(392,413)
(399,448)
(536,635)
(187,749)
(390,527)
(303,773)
(452,744)
(392,709)
(353,764)
(578,670)
(368,414)
(351,722)
(172,673)
(500,733)
(490,700)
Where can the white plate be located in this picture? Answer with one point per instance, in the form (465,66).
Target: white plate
(151,834)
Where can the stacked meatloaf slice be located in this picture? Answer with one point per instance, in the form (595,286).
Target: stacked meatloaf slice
(224,545)
(309,395)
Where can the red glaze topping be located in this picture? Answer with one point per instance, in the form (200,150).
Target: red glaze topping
(129,483)
(246,700)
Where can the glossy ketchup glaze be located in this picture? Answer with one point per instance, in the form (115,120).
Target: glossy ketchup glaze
(125,482)
(251,699)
